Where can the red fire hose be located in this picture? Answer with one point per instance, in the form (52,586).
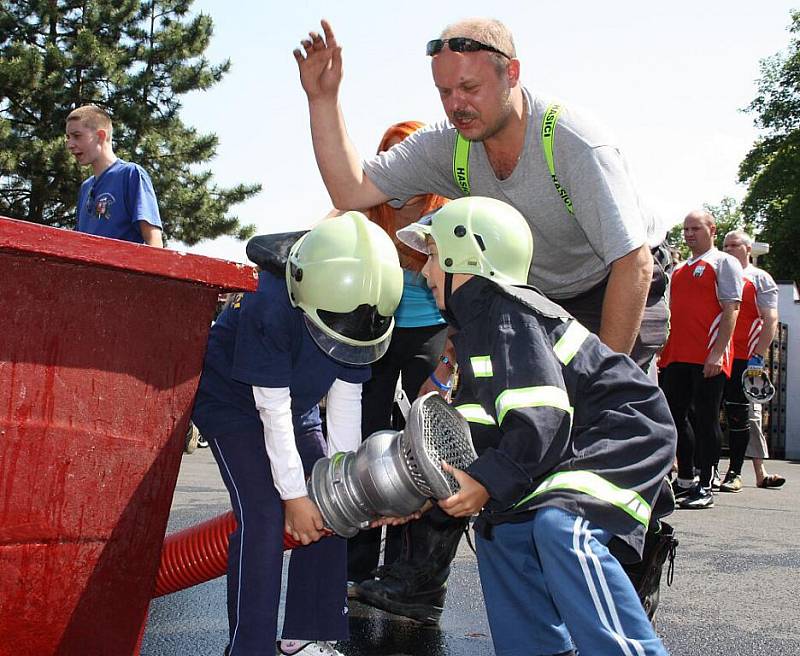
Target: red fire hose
(198,554)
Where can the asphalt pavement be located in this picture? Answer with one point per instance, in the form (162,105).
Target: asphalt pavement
(736,587)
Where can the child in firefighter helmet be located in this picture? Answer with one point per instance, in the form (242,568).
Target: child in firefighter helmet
(574,443)
(323,311)
(477,236)
(345,276)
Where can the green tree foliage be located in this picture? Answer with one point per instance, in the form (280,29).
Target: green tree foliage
(728,217)
(772,167)
(134,58)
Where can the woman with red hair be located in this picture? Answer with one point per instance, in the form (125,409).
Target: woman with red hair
(417,342)
(393,219)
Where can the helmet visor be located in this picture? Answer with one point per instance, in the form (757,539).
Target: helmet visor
(414,234)
(364,324)
(348,353)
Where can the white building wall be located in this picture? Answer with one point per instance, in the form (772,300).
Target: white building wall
(789,313)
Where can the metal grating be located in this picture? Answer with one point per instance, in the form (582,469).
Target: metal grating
(446,440)
(774,415)
(414,469)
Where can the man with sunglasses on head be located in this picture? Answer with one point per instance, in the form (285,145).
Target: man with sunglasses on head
(593,235)
(595,241)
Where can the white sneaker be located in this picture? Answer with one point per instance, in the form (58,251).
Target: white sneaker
(317,648)
(699,497)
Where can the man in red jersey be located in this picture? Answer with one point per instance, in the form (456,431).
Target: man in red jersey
(706,291)
(755,330)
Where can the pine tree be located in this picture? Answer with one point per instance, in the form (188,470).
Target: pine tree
(134,58)
(772,167)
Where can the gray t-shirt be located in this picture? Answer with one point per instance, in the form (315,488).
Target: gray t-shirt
(766,289)
(572,253)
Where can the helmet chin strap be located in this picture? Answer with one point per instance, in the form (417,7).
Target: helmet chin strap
(448,292)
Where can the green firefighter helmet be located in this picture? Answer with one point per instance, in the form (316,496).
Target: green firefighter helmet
(481,236)
(345,276)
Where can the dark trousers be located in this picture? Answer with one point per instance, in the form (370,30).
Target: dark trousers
(588,309)
(737,412)
(685,387)
(316,593)
(414,353)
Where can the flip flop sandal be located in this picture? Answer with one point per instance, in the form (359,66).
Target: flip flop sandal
(773,480)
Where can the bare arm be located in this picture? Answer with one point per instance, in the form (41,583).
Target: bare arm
(151,234)
(625,298)
(770,318)
(713,364)
(337,158)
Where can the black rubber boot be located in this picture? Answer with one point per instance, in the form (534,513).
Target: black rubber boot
(659,546)
(415,584)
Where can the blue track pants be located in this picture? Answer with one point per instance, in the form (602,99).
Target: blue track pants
(551,585)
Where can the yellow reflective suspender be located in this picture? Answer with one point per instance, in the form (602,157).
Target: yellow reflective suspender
(461,156)
(548,134)
(461,163)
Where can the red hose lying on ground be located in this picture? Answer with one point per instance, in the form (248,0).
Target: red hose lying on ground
(198,554)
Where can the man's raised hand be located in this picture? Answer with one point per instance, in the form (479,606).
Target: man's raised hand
(320,64)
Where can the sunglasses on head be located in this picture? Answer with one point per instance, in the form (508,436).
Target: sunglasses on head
(459,44)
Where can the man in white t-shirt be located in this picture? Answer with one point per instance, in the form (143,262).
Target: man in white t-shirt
(755,329)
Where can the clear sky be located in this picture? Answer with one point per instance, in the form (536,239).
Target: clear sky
(669,79)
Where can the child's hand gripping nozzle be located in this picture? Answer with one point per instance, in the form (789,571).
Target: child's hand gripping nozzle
(393,474)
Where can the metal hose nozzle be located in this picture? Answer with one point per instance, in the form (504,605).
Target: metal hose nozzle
(393,473)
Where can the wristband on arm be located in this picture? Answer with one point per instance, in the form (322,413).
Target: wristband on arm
(439,384)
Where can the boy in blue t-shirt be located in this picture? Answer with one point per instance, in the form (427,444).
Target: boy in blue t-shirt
(118,200)
(272,355)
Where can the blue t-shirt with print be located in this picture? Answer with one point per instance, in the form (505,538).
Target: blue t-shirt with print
(260,340)
(113,203)
(417,305)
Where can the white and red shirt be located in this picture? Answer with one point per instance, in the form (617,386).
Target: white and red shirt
(698,288)
(760,291)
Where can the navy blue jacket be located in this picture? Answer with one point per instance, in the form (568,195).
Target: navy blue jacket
(557,417)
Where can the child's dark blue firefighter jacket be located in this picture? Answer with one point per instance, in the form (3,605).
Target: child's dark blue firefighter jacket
(557,417)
